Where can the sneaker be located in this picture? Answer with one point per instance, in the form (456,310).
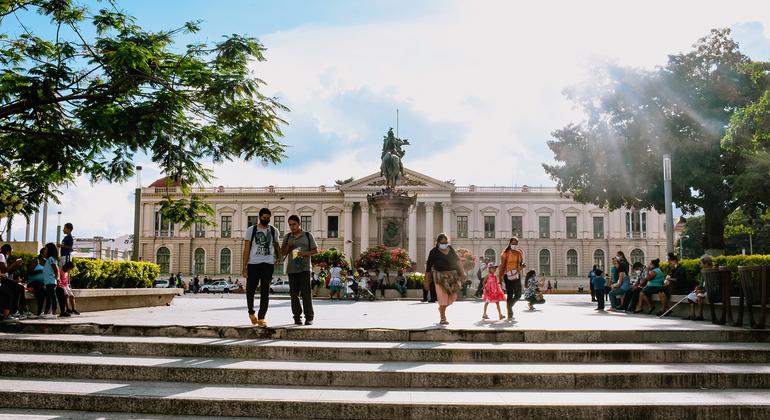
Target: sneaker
(308,322)
(262,323)
(297,321)
(64,315)
(699,318)
(75,312)
(484,316)
(253,318)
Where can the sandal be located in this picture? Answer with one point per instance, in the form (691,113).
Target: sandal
(444,322)
(484,316)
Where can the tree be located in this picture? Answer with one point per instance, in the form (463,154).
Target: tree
(76,103)
(613,158)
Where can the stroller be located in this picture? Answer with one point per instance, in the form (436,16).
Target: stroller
(359,292)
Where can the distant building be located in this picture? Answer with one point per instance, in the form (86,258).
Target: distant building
(99,248)
(561,238)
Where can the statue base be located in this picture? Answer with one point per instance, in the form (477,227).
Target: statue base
(392,207)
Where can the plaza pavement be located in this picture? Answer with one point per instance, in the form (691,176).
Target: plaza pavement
(560,312)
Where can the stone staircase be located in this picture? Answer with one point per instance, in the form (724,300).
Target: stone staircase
(337,373)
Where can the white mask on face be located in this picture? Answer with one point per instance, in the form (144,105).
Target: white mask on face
(443,246)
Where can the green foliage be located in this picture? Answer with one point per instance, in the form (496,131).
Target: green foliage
(21,272)
(614,157)
(415,280)
(692,266)
(327,259)
(72,103)
(380,257)
(96,274)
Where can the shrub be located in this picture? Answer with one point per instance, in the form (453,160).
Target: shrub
(692,266)
(415,281)
(327,259)
(96,274)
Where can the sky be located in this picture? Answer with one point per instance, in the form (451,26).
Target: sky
(478,84)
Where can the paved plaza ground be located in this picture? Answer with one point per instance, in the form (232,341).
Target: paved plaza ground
(560,312)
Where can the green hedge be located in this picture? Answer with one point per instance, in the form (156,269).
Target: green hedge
(99,274)
(692,266)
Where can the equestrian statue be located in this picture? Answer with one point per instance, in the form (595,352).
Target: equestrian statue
(391,168)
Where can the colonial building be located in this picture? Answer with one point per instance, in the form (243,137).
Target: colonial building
(561,238)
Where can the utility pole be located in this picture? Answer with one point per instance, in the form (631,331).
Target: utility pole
(668,198)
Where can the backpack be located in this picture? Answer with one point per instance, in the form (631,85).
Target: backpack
(272,233)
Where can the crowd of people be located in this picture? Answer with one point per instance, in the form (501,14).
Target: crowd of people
(632,289)
(47,278)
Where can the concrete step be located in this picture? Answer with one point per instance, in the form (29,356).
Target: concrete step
(332,402)
(388,374)
(390,351)
(507,333)
(47,414)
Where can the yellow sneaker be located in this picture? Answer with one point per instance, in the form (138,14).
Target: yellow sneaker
(262,323)
(253,319)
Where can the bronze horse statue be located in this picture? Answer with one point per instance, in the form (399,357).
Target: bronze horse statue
(391,168)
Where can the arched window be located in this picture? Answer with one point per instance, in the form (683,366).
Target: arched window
(572,263)
(599,259)
(490,255)
(224,261)
(637,256)
(545,262)
(163,259)
(200,261)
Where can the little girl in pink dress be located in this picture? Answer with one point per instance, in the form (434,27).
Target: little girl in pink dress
(493,293)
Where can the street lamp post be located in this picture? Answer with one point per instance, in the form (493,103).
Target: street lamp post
(681,246)
(58,227)
(668,198)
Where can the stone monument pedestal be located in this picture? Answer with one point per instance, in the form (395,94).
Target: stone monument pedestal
(392,210)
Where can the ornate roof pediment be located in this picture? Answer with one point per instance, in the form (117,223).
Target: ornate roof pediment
(306,209)
(251,209)
(490,209)
(461,209)
(226,209)
(279,209)
(411,181)
(544,210)
(333,209)
(517,210)
(571,209)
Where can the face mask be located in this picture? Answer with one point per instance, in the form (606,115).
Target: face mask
(443,246)
(263,222)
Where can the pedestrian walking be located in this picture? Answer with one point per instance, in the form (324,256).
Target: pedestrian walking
(443,269)
(511,265)
(261,251)
(302,246)
(599,283)
(493,291)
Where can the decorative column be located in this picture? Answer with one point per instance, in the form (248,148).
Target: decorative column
(429,237)
(45,222)
(364,225)
(34,234)
(446,210)
(413,232)
(347,217)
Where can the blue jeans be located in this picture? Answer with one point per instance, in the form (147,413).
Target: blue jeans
(615,295)
(599,298)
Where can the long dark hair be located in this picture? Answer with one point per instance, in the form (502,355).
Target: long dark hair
(51,250)
(440,237)
(508,248)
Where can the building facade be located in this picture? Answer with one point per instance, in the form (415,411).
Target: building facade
(560,237)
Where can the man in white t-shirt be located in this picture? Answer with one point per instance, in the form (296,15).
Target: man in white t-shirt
(261,251)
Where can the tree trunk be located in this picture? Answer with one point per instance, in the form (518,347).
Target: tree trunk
(714,229)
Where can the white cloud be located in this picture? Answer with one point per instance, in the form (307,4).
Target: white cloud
(495,68)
